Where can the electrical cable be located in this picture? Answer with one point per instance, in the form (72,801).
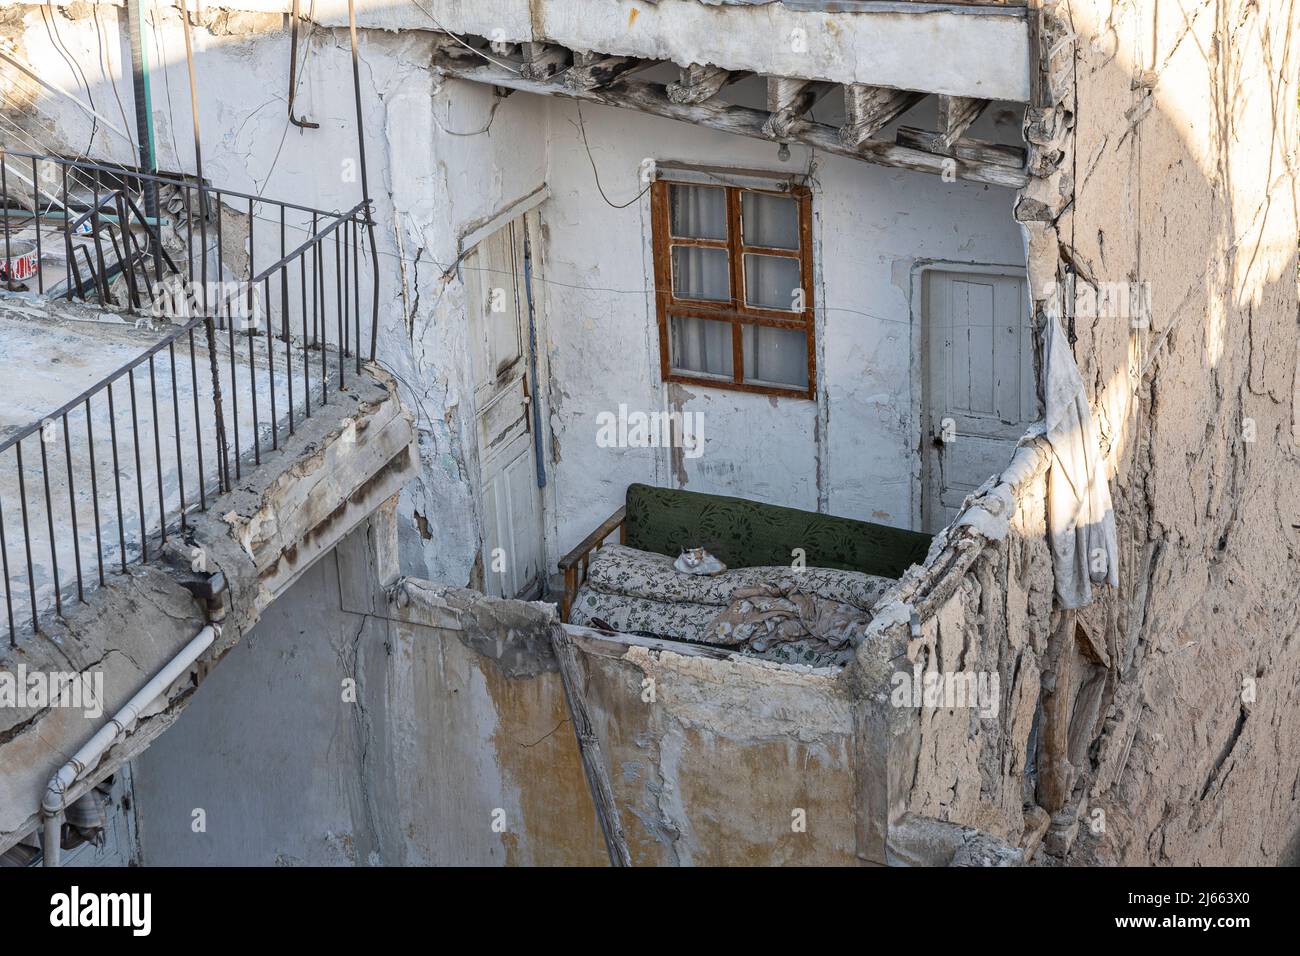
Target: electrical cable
(107,71)
(284,133)
(438,24)
(167,86)
(56,40)
(582,127)
(492,114)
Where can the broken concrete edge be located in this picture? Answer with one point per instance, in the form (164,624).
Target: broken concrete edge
(887,44)
(525,650)
(44,308)
(332,485)
(922,841)
(983,521)
(886,734)
(716,686)
(139,620)
(724,694)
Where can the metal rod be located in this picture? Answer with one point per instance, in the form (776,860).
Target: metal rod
(293,70)
(36,208)
(284,322)
(176,417)
(117,479)
(270,367)
(252,390)
(143,109)
(139,472)
(356,287)
(222,477)
(9,589)
(94,492)
(67,242)
(49,522)
(365,186)
(101,275)
(306,357)
(340,299)
(4,190)
(72,507)
(27,535)
(157,451)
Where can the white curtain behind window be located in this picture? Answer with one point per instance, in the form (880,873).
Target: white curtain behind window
(701,346)
(772,356)
(775,356)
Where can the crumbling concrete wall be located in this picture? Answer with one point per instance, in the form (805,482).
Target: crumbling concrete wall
(975,614)
(941,50)
(338,467)
(1194,762)
(1163,143)
(427,724)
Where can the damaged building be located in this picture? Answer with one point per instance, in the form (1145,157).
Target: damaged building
(649,432)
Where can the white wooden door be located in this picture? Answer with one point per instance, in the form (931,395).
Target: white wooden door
(497,304)
(979,384)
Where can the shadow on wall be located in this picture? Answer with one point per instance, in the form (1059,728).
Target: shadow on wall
(1185,194)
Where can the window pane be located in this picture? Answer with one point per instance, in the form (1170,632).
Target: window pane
(701,273)
(768,220)
(772,282)
(698,212)
(775,356)
(700,346)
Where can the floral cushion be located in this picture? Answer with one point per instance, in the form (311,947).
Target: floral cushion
(617,569)
(637,615)
(691,624)
(812,616)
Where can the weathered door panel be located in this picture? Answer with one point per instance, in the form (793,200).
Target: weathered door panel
(497,305)
(979,384)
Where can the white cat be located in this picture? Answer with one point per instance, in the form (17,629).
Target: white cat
(698,561)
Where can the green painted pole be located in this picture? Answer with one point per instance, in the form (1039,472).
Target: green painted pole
(144,117)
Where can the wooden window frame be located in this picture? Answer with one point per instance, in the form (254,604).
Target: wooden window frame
(736,311)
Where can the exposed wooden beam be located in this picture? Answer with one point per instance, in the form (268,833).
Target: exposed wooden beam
(543,60)
(956,114)
(592,71)
(589,749)
(697,83)
(869,109)
(969,150)
(788,100)
(742,121)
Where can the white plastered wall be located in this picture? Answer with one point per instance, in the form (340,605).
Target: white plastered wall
(854,450)
(435,176)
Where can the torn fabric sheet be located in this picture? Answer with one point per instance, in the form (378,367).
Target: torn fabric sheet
(1080,519)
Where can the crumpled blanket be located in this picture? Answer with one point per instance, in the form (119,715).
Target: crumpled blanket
(618,569)
(781,612)
(811,616)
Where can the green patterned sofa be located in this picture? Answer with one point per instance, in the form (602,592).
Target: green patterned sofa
(746,534)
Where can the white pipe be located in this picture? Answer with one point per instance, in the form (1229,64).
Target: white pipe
(52,805)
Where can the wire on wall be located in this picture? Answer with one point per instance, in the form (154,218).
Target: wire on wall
(582,128)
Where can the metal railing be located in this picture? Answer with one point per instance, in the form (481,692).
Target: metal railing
(122,464)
